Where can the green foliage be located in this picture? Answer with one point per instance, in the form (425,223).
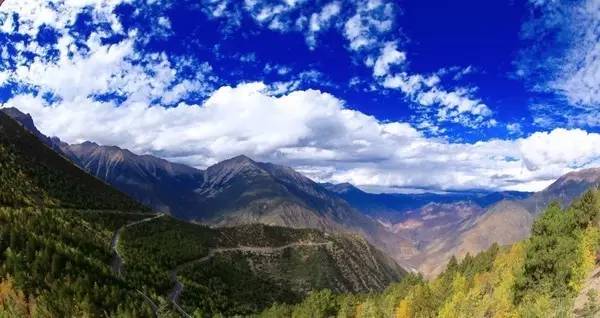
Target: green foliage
(586,210)
(167,243)
(226,284)
(263,235)
(321,304)
(32,174)
(555,262)
(535,278)
(57,259)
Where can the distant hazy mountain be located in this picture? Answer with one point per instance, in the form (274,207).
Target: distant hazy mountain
(456,223)
(505,222)
(390,207)
(434,221)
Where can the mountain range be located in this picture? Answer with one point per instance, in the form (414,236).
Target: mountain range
(233,192)
(72,245)
(390,207)
(420,231)
(504,222)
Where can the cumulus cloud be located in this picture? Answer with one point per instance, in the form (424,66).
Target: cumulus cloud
(316,132)
(457,106)
(34,14)
(561,147)
(362,22)
(81,70)
(514,128)
(114,95)
(321,20)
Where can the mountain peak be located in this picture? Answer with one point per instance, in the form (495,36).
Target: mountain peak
(341,188)
(241,159)
(226,170)
(24,119)
(575,181)
(590,175)
(238,163)
(89,144)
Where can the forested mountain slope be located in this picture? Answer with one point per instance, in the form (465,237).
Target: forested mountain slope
(53,259)
(542,276)
(243,269)
(233,192)
(33,174)
(70,246)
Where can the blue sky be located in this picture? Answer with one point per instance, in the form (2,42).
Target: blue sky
(389,95)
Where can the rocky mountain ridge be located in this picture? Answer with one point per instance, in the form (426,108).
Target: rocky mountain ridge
(419,231)
(79,247)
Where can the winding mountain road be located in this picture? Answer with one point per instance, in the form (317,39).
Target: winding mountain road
(117,262)
(178,288)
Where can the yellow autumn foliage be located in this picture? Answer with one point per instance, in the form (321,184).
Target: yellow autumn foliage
(12,302)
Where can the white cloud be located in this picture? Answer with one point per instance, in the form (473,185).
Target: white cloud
(514,128)
(363,28)
(453,103)
(107,69)
(318,134)
(456,106)
(318,20)
(114,69)
(321,20)
(33,14)
(371,19)
(581,81)
(579,75)
(567,61)
(561,147)
(389,56)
